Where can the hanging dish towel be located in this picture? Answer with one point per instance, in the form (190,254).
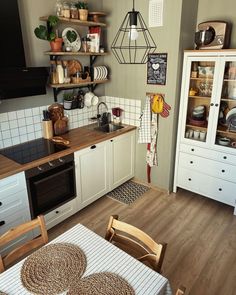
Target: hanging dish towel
(145,124)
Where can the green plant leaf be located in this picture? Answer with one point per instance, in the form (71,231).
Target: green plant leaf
(53,20)
(71,36)
(52,36)
(41,32)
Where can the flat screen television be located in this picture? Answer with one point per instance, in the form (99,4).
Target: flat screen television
(16,80)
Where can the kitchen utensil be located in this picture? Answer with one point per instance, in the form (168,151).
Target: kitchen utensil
(56,111)
(61,126)
(60,140)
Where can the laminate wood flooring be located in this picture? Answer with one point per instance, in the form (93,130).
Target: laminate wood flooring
(200,232)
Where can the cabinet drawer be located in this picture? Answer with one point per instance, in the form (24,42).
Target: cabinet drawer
(61,213)
(215,188)
(208,154)
(12,184)
(206,166)
(13,203)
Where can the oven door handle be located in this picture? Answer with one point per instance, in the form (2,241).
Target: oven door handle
(54,175)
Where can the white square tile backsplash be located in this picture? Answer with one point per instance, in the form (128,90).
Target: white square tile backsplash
(24,125)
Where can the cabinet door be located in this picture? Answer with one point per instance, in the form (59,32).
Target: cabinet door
(91,173)
(199,99)
(122,149)
(224,128)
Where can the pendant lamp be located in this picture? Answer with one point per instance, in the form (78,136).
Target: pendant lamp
(133,41)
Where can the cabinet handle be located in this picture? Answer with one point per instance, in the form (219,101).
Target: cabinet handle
(61,160)
(190,179)
(212,104)
(51,164)
(40,168)
(2,222)
(191,162)
(216,104)
(0,203)
(192,150)
(223,171)
(57,212)
(93,147)
(225,157)
(111,140)
(220,189)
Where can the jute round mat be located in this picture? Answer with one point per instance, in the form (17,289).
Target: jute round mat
(103,283)
(53,268)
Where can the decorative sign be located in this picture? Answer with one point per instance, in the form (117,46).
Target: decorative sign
(156,68)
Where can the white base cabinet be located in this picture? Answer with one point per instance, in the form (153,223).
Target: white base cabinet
(104,166)
(14,207)
(206,153)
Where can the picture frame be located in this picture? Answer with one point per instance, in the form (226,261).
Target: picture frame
(157,68)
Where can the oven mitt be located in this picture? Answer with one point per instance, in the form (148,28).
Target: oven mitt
(166,108)
(157,104)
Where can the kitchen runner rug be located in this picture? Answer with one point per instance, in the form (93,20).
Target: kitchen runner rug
(128,192)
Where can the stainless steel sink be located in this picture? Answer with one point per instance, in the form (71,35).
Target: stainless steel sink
(109,128)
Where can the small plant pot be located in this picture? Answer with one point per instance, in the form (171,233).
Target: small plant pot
(56,45)
(83,14)
(67,104)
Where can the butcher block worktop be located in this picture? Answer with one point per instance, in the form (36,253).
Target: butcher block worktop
(79,138)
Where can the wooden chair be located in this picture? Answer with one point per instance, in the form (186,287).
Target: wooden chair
(18,231)
(181,290)
(135,242)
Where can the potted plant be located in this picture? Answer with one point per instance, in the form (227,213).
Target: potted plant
(47,33)
(68,98)
(83,10)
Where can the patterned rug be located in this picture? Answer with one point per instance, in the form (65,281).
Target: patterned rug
(128,192)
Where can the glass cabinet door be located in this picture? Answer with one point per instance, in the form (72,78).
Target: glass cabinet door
(226,118)
(201,77)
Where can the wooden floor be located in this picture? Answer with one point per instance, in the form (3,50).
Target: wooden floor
(201,236)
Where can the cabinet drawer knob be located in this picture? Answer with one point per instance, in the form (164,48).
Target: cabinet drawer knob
(225,157)
(192,150)
(223,171)
(2,222)
(0,203)
(216,104)
(212,104)
(190,179)
(93,147)
(220,189)
(57,212)
(111,140)
(191,162)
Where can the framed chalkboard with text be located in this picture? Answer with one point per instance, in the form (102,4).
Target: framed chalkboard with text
(156,68)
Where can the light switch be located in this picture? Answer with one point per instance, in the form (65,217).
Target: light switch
(155,13)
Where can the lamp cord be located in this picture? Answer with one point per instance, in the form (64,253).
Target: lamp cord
(133,5)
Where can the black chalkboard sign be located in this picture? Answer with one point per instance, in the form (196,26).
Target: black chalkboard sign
(156,68)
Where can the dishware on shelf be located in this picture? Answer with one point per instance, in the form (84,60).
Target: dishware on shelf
(205,72)
(200,123)
(196,134)
(202,135)
(223,141)
(90,99)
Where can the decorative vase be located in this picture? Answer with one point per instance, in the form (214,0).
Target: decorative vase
(83,14)
(67,104)
(56,45)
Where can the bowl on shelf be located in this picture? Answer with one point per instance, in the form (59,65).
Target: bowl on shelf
(223,141)
(200,123)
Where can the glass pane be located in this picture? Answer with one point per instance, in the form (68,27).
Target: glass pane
(199,98)
(226,129)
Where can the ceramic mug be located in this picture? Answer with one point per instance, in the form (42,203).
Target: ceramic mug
(196,134)
(202,135)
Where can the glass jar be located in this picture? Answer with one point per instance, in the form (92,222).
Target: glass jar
(59,8)
(66,10)
(74,11)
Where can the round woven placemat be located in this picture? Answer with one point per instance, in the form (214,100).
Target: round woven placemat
(53,268)
(103,283)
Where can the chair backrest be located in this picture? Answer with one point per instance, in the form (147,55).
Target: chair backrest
(30,245)
(137,241)
(181,290)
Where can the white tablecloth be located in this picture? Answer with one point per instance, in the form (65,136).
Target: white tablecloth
(101,256)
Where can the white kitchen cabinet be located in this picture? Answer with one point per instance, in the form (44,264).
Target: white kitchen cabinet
(122,152)
(91,166)
(14,207)
(104,166)
(205,153)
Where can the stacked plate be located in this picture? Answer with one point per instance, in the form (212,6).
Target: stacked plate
(100,73)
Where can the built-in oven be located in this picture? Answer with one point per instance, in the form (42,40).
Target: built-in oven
(51,185)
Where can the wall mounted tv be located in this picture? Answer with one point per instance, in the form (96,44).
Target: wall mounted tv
(16,80)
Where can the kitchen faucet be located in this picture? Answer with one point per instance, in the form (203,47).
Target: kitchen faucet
(103,118)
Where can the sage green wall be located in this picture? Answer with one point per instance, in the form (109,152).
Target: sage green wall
(219,10)
(129,81)
(30,11)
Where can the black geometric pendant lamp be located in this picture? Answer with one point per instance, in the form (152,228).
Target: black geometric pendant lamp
(133,42)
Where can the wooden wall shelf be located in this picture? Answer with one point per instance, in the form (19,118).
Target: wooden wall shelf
(76,22)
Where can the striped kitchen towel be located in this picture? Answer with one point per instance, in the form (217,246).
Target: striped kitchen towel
(145,123)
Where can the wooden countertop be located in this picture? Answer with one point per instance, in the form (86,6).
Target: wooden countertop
(79,138)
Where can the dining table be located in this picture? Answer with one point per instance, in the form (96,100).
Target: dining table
(101,257)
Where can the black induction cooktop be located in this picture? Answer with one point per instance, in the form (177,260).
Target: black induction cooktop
(32,150)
